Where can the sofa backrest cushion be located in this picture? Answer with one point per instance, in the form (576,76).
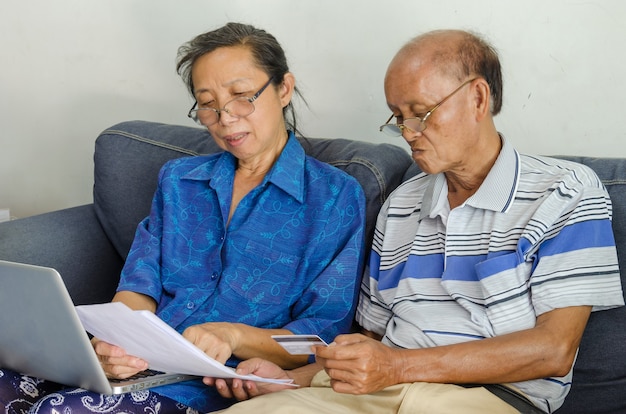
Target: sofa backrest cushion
(127,160)
(129,155)
(600,370)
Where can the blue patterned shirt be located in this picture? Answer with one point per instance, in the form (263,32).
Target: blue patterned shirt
(290,257)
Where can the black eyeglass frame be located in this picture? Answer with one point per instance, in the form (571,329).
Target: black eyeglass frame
(193,112)
(397,130)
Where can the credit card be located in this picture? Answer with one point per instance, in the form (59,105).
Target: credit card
(299,344)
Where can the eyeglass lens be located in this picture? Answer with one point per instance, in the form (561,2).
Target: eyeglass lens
(414,124)
(238,108)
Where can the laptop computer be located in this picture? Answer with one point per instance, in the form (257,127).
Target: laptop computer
(42,336)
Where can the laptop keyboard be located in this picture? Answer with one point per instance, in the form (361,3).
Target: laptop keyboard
(139,375)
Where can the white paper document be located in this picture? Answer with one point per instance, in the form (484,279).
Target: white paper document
(145,335)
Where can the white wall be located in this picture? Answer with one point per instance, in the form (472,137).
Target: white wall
(71,68)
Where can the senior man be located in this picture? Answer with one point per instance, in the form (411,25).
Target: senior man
(484,268)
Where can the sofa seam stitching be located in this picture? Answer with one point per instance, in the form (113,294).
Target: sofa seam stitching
(149,141)
(613,182)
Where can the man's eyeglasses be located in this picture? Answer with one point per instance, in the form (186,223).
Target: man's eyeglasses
(238,108)
(416,124)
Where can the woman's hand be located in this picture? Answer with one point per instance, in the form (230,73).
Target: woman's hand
(244,389)
(115,362)
(219,340)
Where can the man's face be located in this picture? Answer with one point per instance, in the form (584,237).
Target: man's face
(413,88)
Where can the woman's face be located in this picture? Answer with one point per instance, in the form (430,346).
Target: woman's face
(228,73)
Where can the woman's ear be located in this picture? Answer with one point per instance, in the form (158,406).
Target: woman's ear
(287,88)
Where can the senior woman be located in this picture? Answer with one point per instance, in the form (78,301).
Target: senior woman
(255,241)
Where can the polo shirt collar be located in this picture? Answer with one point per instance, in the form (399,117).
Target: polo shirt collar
(497,191)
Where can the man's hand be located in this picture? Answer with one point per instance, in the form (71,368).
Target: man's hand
(244,390)
(357,364)
(115,362)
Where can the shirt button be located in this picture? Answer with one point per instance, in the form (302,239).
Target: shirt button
(214,276)
(190,305)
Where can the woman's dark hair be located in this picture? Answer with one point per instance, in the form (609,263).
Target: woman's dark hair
(266,51)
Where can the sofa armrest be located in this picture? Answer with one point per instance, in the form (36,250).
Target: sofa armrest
(70,241)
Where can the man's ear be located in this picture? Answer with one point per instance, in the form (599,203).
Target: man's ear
(287,88)
(482,98)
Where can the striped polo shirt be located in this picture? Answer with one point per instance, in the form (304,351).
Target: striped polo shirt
(536,236)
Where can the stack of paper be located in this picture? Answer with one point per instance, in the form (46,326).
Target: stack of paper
(144,335)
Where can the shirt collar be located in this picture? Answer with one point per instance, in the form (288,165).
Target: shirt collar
(287,173)
(497,191)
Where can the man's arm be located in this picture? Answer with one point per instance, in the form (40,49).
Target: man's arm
(359,365)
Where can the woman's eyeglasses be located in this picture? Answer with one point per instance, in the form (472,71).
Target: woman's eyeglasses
(238,108)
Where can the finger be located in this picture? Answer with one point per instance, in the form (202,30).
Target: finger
(119,371)
(122,367)
(334,351)
(210,381)
(126,361)
(240,390)
(106,349)
(223,388)
(343,387)
(252,388)
(345,351)
(213,347)
(338,374)
(249,366)
(222,354)
(236,389)
(348,339)
(191,334)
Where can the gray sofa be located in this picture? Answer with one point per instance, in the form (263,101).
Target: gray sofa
(88,244)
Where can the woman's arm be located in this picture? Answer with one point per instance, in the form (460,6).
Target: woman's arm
(135,301)
(219,340)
